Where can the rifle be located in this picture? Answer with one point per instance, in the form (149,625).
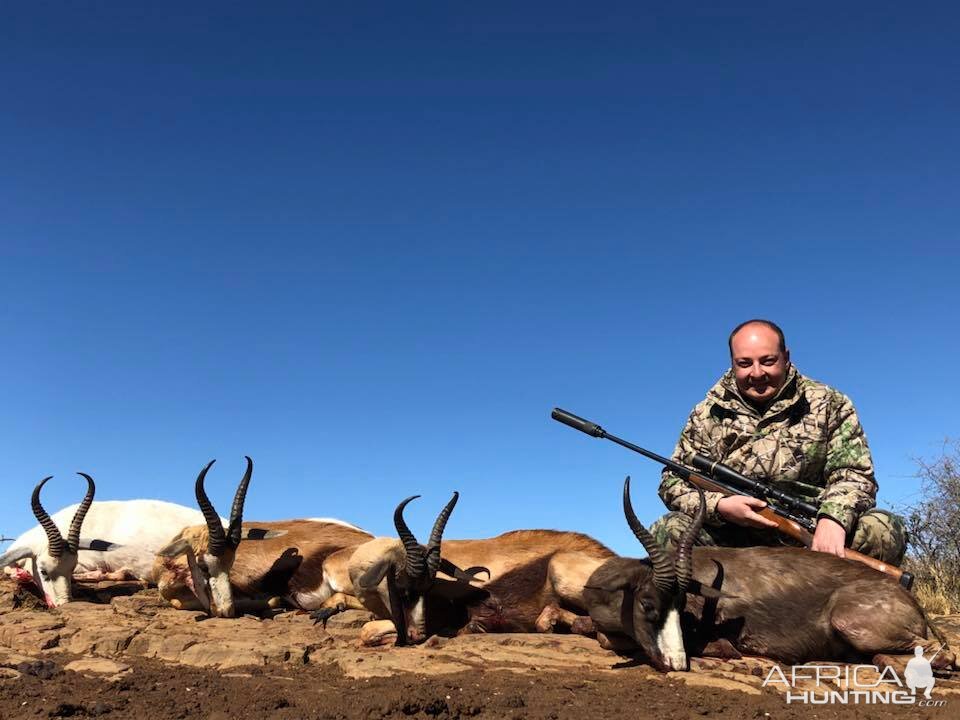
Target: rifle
(794,517)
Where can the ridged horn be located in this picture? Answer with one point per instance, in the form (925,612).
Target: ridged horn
(416,562)
(73,536)
(683,564)
(218,540)
(436,535)
(55,542)
(236,512)
(663,572)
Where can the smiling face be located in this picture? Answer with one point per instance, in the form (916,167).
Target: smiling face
(759,364)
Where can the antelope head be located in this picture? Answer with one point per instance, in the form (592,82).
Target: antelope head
(211,550)
(53,564)
(644,600)
(402,573)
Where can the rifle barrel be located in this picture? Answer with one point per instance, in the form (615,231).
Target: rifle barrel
(724,485)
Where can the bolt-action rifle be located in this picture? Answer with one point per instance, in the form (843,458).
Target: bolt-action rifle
(794,517)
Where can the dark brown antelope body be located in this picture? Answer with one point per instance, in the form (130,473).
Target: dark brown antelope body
(790,604)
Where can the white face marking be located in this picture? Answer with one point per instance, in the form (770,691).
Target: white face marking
(670,641)
(418,620)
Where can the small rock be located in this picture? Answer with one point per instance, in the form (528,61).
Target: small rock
(43,669)
(97,666)
(68,710)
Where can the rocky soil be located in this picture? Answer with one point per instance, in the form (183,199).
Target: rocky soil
(125,655)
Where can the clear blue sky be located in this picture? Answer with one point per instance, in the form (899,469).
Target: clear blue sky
(373,244)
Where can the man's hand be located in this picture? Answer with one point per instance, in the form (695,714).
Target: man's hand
(829,537)
(741,510)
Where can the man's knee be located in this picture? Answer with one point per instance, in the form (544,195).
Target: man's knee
(667,530)
(882,535)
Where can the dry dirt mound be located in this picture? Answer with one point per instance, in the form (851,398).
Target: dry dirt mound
(134,657)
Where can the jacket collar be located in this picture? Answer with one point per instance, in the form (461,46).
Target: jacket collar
(726,394)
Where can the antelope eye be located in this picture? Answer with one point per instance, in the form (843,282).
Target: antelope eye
(647,605)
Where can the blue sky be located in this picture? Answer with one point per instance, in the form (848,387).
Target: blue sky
(373,246)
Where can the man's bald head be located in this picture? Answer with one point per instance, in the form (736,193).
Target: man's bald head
(782,343)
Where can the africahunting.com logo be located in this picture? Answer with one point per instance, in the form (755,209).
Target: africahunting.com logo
(857,684)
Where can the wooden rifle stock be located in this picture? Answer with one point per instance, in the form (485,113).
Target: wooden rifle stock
(792,529)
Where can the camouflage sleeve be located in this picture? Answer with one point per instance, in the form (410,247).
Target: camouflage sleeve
(850,488)
(679,494)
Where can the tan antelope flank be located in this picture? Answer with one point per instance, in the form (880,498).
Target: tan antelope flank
(222,571)
(534,580)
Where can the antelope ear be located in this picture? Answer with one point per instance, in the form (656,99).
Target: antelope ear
(15,554)
(610,585)
(696,588)
(261,534)
(611,580)
(96,544)
(374,574)
(177,547)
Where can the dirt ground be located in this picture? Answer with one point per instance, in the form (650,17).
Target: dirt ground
(127,656)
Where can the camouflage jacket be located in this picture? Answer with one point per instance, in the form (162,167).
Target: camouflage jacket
(808,442)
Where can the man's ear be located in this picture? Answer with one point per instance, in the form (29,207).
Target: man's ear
(374,574)
(177,547)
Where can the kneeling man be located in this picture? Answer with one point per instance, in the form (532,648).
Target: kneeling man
(767,421)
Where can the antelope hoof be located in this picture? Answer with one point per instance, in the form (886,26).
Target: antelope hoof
(583,626)
(378,633)
(549,617)
(322,615)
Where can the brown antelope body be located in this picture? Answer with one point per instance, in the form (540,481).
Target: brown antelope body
(205,565)
(520,581)
(789,604)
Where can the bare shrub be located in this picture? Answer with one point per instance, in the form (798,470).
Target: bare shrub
(933,522)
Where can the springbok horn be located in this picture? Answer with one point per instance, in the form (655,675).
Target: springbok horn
(436,535)
(73,536)
(218,541)
(415,559)
(683,563)
(663,572)
(54,538)
(236,512)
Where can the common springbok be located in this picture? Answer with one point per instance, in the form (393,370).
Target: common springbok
(131,530)
(224,571)
(788,604)
(534,581)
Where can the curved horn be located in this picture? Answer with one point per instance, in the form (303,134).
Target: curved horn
(54,538)
(415,558)
(663,573)
(73,536)
(236,512)
(436,535)
(218,541)
(683,562)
